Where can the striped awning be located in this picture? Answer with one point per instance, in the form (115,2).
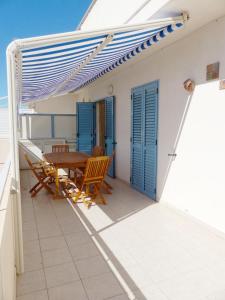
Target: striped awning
(49,69)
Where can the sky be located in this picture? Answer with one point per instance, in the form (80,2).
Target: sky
(29,18)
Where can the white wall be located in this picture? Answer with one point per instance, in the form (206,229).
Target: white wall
(56,105)
(34,127)
(4,149)
(7,242)
(194,182)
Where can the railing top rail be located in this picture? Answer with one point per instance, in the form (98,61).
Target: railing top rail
(47,114)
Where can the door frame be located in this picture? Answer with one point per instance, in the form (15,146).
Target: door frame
(131,137)
(114,129)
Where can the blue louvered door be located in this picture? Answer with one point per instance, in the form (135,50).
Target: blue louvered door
(86,126)
(110,131)
(144,138)
(137,139)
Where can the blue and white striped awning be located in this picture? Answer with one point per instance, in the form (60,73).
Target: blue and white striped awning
(48,69)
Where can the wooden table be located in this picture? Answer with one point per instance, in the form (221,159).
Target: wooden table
(70,160)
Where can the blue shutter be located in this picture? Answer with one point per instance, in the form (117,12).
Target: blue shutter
(144,138)
(85,126)
(137,140)
(150,141)
(110,131)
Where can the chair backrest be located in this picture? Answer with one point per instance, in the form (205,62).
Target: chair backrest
(47,169)
(97,151)
(31,165)
(96,169)
(60,148)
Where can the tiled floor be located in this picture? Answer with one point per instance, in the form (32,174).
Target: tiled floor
(131,248)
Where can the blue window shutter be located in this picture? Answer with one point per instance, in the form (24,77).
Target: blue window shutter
(85,126)
(144,138)
(110,131)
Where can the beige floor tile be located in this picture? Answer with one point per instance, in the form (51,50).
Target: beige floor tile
(52,243)
(77,238)
(217,295)
(28,215)
(84,251)
(40,295)
(102,287)
(33,261)
(120,297)
(150,293)
(49,230)
(61,274)
(30,282)
(29,225)
(30,234)
(92,266)
(72,227)
(72,291)
(31,246)
(56,257)
(193,285)
(135,276)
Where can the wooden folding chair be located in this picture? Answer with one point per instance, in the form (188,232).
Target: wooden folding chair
(60,148)
(106,186)
(97,151)
(43,173)
(91,182)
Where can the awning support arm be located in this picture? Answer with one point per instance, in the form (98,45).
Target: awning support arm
(107,40)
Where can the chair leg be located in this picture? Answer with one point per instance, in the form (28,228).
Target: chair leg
(97,192)
(41,184)
(108,185)
(106,188)
(34,187)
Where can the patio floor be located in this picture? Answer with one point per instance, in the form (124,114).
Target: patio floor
(132,248)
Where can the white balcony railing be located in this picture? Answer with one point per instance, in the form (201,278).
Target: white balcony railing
(7,236)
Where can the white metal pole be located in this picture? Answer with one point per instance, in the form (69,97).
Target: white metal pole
(14,151)
(70,36)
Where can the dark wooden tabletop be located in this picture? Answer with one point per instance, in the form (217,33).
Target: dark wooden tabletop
(66,159)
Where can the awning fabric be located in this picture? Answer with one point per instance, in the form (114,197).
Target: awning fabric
(63,67)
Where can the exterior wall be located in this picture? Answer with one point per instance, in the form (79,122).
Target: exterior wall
(57,105)
(39,129)
(4,135)
(4,122)
(190,125)
(7,239)
(114,12)
(4,149)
